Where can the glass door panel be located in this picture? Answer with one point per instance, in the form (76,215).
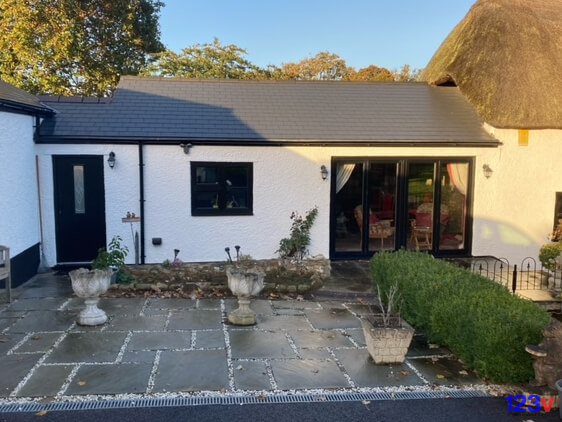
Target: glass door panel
(454,189)
(348,207)
(421,191)
(382,200)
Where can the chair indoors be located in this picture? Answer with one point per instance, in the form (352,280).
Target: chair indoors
(378,229)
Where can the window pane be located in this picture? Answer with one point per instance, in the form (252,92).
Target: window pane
(382,194)
(421,184)
(236,177)
(79,199)
(454,186)
(206,200)
(207,175)
(349,207)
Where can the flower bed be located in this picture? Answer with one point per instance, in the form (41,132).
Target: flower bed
(282,276)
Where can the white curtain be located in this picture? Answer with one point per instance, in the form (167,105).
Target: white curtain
(343,174)
(459,176)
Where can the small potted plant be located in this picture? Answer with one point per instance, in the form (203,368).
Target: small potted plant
(90,284)
(387,336)
(245,279)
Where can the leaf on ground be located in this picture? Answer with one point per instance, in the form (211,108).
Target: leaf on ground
(240,368)
(41,413)
(81,383)
(223,390)
(440,377)
(463,372)
(300,298)
(366,402)
(404,372)
(36,337)
(315,371)
(4,340)
(261,397)
(433,346)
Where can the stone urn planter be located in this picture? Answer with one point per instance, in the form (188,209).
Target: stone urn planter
(387,343)
(387,336)
(90,284)
(244,283)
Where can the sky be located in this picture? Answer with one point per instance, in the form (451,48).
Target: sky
(387,33)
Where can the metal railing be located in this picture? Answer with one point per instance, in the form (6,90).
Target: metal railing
(528,275)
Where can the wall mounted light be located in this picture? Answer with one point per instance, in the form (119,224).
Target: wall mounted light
(324,172)
(487,171)
(111,160)
(186,148)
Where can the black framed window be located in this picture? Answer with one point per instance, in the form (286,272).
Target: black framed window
(219,188)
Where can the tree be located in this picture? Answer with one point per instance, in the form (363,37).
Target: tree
(407,74)
(75,47)
(323,66)
(371,73)
(214,61)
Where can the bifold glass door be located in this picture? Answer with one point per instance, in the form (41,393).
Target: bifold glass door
(419,204)
(364,206)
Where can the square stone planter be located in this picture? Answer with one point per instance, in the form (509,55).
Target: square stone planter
(387,344)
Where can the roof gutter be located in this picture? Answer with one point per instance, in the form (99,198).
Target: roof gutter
(15,107)
(47,139)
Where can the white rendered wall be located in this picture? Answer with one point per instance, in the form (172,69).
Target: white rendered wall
(513,210)
(285,180)
(19,212)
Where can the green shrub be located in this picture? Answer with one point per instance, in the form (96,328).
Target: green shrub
(548,253)
(480,321)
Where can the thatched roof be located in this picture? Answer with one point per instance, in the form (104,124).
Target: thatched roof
(506,58)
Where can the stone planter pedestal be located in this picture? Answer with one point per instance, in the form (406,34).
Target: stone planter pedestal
(244,283)
(387,344)
(90,285)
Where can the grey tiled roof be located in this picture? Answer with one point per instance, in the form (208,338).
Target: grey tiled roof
(168,110)
(18,99)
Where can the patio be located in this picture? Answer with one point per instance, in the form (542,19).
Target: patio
(153,347)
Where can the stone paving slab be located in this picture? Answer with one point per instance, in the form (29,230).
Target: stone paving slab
(88,347)
(260,344)
(44,321)
(9,341)
(38,343)
(46,381)
(365,373)
(444,371)
(320,338)
(209,339)
(332,318)
(110,379)
(158,304)
(251,375)
(38,304)
(195,370)
(195,320)
(282,322)
(13,369)
(299,374)
(154,345)
(137,323)
(160,341)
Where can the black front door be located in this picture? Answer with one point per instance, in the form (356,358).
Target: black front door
(79,207)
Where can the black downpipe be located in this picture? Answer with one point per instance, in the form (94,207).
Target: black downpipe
(141,200)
